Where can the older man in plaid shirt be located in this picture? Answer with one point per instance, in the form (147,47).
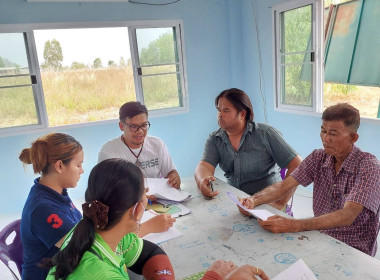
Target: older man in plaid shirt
(346,194)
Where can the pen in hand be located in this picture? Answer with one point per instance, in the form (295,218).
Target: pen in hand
(210,184)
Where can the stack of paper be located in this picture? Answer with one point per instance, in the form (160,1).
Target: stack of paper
(161,236)
(258,213)
(160,188)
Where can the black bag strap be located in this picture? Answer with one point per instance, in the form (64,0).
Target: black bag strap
(95,253)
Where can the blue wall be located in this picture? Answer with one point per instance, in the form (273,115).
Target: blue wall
(207,58)
(221,52)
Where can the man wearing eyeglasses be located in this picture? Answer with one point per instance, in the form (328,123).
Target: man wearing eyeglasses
(148,152)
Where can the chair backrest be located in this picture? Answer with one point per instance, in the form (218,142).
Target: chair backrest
(13,251)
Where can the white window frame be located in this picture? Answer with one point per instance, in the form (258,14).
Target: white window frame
(182,62)
(38,90)
(39,100)
(57,1)
(317,48)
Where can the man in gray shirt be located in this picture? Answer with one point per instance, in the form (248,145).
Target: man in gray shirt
(249,153)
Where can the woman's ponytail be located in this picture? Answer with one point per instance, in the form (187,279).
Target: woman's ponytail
(68,259)
(48,149)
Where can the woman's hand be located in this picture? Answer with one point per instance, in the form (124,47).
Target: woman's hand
(222,267)
(247,272)
(160,223)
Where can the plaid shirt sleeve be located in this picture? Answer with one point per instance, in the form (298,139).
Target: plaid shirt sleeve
(367,189)
(304,174)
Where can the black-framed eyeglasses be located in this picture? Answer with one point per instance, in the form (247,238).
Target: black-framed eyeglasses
(135,127)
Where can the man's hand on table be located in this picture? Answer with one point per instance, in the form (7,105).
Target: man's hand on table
(247,203)
(279,224)
(174,179)
(206,189)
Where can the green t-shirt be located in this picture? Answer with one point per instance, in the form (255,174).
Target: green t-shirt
(109,266)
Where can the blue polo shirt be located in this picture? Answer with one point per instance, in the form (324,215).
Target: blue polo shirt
(255,165)
(47,217)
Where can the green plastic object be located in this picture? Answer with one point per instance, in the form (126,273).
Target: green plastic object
(196,276)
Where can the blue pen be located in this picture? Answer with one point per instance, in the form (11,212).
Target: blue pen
(150,202)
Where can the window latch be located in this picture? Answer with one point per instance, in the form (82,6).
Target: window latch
(139,72)
(312,58)
(33,78)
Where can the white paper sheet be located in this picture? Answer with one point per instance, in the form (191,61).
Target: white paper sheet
(161,236)
(297,271)
(258,213)
(178,210)
(160,188)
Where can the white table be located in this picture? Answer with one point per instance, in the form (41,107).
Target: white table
(216,230)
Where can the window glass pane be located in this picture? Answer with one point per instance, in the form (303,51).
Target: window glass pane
(17,107)
(296,29)
(297,58)
(366,99)
(296,66)
(161,91)
(15,81)
(156,45)
(86,73)
(151,70)
(296,85)
(17,103)
(161,72)
(13,57)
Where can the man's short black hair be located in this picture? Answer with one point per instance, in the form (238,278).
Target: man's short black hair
(131,109)
(343,112)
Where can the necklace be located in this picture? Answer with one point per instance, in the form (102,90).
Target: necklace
(137,163)
(130,246)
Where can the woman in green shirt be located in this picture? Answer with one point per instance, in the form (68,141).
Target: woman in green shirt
(106,240)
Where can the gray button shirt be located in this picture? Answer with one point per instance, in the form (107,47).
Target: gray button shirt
(255,165)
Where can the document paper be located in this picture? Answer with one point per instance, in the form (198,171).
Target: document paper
(258,213)
(160,236)
(160,188)
(297,271)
